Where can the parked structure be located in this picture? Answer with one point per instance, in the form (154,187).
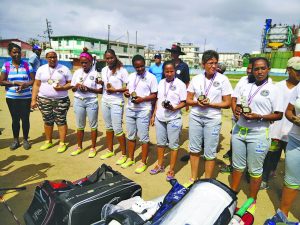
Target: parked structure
(68,47)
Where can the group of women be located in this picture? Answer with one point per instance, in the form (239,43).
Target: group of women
(257,103)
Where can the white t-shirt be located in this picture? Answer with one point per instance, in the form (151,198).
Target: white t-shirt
(143,86)
(220,87)
(295,100)
(266,101)
(87,79)
(117,80)
(60,73)
(175,93)
(243,81)
(280,129)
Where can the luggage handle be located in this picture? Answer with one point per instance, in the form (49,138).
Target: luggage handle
(102,171)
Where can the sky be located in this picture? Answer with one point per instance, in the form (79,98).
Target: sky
(222,25)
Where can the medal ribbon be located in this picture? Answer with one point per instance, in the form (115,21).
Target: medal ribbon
(171,84)
(51,74)
(136,83)
(84,77)
(251,97)
(210,84)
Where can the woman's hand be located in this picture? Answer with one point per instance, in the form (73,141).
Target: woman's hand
(152,120)
(33,104)
(237,113)
(111,90)
(138,100)
(252,116)
(296,120)
(126,94)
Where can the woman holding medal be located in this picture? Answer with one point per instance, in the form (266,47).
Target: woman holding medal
(207,93)
(114,78)
(17,77)
(50,94)
(259,103)
(167,117)
(142,89)
(85,91)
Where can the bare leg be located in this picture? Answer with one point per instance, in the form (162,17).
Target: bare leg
(109,140)
(236,179)
(209,168)
(145,149)
(122,142)
(94,137)
(80,134)
(62,130)
(288,197)
(173,160)
(194,159)
(48,132)
(131,148)
(160,155)
(254,186)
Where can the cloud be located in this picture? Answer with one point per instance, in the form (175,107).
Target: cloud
(231,26)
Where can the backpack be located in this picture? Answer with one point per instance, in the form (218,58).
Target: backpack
(26,66)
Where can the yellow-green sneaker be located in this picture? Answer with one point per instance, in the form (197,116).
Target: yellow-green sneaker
(77,151)
(61,148)
(121,160)
(46,145)
(108,154)
(127,164)
(189,183)
(92,153)
(141,168)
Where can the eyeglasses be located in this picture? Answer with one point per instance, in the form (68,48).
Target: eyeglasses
(260,68)
(52,57)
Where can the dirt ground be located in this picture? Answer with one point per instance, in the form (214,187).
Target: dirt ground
(29,168)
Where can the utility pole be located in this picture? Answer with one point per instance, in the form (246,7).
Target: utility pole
(49,31)
(128,47)
(108,33)
(136,48)
(204,45)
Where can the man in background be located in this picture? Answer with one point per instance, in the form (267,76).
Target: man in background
(34,59)
(157,68)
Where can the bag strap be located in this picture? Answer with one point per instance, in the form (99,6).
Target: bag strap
(7,68)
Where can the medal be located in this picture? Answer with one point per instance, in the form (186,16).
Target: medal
(246,109)
(81,80)
(50,81)
(201,98)
(108,85)
(133,94)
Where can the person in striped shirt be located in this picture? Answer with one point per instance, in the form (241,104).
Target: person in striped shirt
(17,76)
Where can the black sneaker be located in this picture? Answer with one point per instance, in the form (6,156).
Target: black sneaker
(227,155)
(226,169)
(26,145)
(14,145)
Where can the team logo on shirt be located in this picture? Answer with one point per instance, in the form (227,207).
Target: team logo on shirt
(173,87)
(144,79)
(264,93)
(178,71)
(60,71)
(216,84)
(92,78)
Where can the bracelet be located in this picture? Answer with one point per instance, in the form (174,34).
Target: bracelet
(261,118)
(13,83)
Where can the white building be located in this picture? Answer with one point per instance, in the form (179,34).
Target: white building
(230,59)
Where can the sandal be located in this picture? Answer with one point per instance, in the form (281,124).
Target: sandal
(157,169)
(189,183)
(170,175)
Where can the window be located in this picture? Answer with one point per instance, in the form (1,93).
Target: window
(67,42)
(59,43)
(59,56)
(125,49)
(78,42)
(67,56)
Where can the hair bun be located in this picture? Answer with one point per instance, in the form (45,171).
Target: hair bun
(85,49)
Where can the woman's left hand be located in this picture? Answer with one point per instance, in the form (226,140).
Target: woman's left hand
(59,88)
(252,116)
(111,90)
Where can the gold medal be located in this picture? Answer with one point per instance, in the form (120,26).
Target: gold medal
(201,98)
(133,94)
(50,81)
(108,85)
(81,80)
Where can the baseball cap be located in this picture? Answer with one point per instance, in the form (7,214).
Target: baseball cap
(157,56)
(36,47)
(49,50)
(294,63)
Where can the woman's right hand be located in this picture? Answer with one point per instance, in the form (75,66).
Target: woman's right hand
(126,94)
(296,120)
(237,112)
(33,104)
(152,120)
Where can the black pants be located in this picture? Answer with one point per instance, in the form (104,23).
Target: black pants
(271,160)
(19,110)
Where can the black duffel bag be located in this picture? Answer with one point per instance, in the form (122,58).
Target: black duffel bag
(80,202)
